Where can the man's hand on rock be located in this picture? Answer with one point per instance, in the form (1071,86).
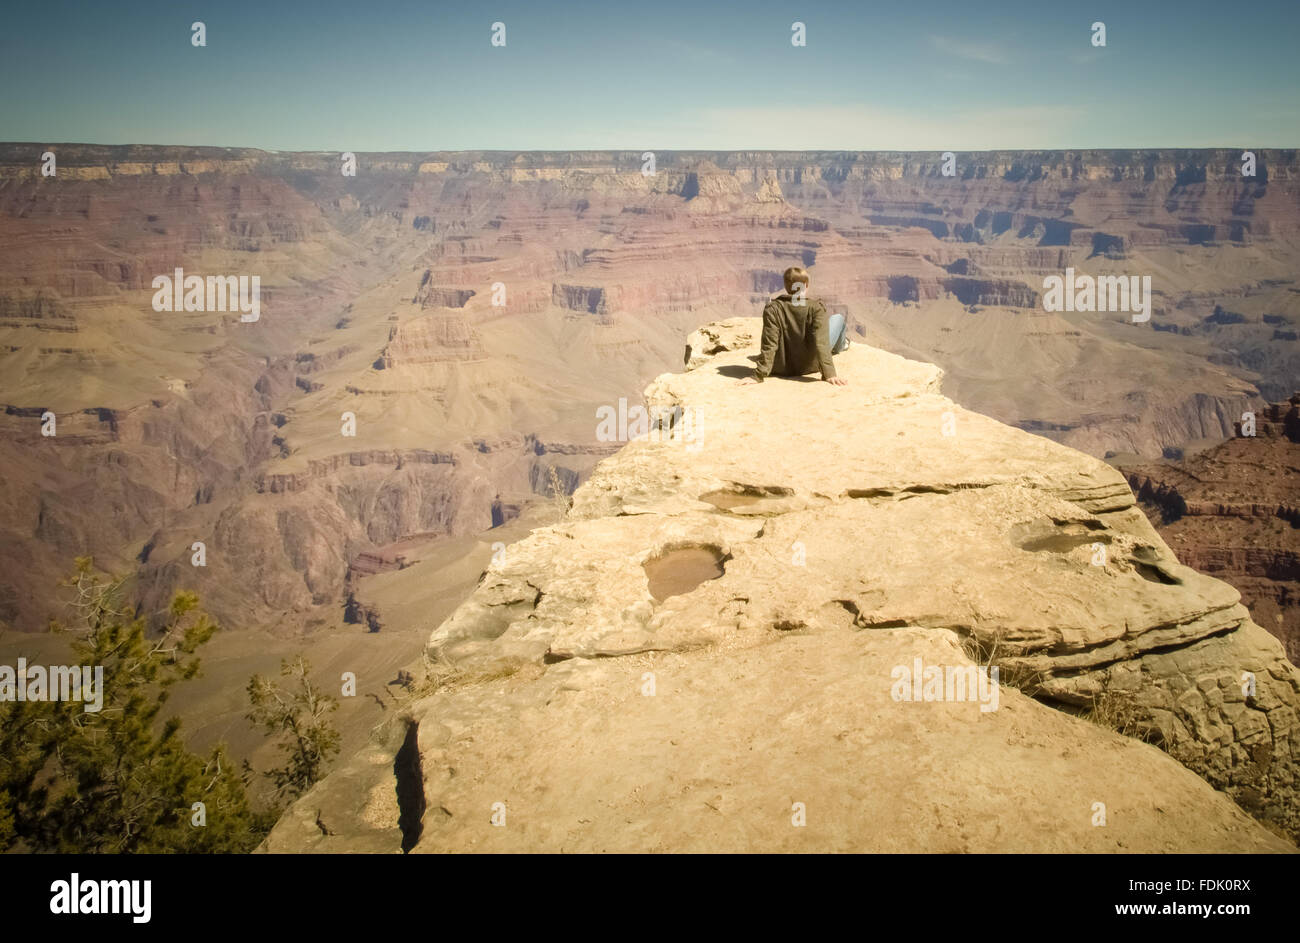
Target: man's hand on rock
(837,381)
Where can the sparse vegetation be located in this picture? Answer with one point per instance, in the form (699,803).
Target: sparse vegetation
(441,674)
(1108,709)
(298,713)
(120,779)
(1117,713)
(558,493)
(984,652)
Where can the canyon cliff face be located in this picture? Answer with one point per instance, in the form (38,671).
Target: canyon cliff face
(729,644)
(1233,511)
(481,306)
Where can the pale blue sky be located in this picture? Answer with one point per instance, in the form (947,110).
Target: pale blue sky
(405,75)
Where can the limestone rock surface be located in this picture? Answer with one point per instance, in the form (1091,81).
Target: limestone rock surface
(707,651)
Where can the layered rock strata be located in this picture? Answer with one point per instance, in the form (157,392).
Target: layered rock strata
(1233,511)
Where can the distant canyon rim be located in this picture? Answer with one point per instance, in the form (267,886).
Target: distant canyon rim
(378,300)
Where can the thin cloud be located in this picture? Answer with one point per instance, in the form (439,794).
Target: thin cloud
(976,52)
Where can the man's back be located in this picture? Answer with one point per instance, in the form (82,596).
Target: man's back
(796,340)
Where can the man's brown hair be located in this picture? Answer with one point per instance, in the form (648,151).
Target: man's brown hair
(793,275)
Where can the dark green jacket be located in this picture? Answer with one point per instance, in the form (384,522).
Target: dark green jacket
(796,340)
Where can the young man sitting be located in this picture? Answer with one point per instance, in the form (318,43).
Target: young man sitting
(798,335)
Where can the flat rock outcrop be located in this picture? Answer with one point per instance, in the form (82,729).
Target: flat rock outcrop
(712,650)
(431,339)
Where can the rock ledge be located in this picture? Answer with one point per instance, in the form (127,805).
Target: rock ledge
(857,530)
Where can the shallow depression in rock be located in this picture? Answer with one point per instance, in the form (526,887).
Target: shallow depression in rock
(1063,543)
(726,500)
(680,571)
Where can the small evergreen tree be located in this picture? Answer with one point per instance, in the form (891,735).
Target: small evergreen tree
(298,714)
(120,779)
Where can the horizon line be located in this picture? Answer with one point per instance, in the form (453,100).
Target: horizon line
(660,150)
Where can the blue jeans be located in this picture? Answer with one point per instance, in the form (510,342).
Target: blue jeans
(839,330)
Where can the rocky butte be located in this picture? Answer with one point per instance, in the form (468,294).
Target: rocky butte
(1234,511)
(700,656)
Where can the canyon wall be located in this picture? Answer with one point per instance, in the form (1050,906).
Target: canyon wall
(380,300)
(1234,512)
